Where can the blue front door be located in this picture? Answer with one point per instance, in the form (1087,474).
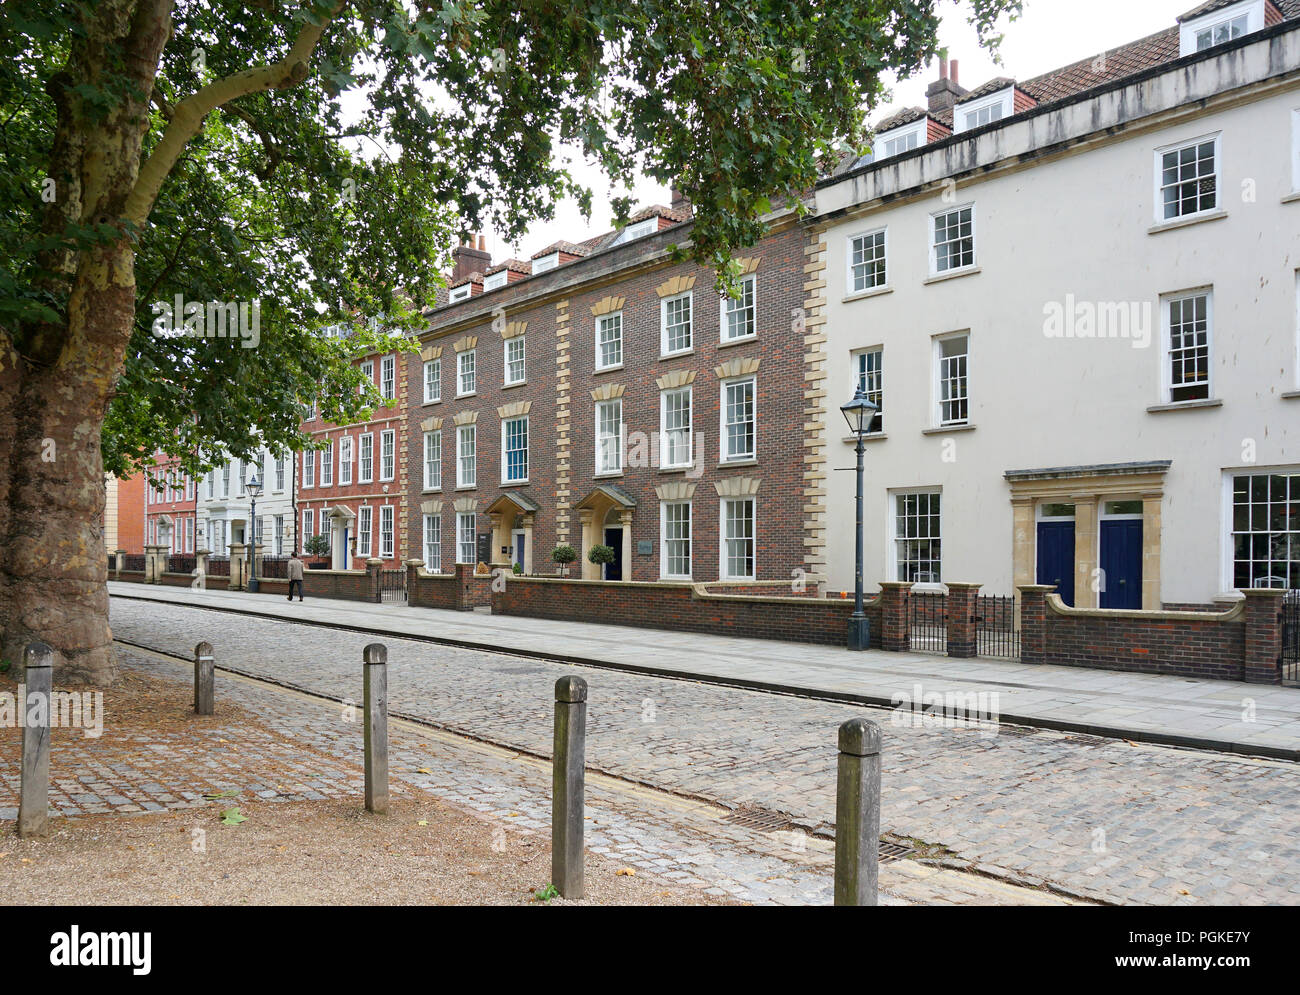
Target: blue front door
(1056,557)
(1121,563)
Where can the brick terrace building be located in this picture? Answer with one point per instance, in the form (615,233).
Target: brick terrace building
(354,491)
(602,394)
(169,518)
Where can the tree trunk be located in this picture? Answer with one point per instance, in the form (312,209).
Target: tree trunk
(53,568)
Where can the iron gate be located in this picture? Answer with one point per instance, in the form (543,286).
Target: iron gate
(1291,638)
(995,627)
(392,585)
(927,616)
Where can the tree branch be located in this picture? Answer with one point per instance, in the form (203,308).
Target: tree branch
(187,117)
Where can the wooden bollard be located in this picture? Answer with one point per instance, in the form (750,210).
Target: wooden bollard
(34,795)
(857,814)
(205,679)
(568,786)
(375,657)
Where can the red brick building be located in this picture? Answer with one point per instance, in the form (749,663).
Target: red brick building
(169,495)
(602,394)
(354,490)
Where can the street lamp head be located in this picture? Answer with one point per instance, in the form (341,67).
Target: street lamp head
(859,413)
(254,488)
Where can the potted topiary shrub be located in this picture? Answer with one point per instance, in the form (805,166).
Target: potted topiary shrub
(564,555)
(317,546)
(601,555)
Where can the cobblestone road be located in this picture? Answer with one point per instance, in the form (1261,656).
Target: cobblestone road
(1100,818)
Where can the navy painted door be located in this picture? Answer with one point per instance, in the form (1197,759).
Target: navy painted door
(1056,558)
(614,540)
(1121,563)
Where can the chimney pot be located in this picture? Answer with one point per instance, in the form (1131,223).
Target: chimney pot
(953,72)
(482,244)
(943,67)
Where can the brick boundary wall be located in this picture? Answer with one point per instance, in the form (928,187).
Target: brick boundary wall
(462,590)
(683,608)
(1241,644)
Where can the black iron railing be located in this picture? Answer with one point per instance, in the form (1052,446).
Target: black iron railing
(273,567)
(995,627)
(219,566)
(181,564)
(133,561)
(1291,638)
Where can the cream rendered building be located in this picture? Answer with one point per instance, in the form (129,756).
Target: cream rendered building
(1080,318)
(223,505)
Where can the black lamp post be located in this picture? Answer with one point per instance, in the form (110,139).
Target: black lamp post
(254,489)
(859,413)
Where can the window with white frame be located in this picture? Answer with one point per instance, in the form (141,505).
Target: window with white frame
(952,242)
(432,380)
(514,450)
(433,543)
(278,525)
(740,314)
(225,481)
(675,540)
(987,113)
(867,261)
(388,377)
(433,460)
(1265,529)
(544,263)
(327,465)
(675,324)
(895,144)
(345,461)
(466,456)
(609,340)
(494,281)
(515,371)
(1221,25)
(675,428)
(368,370)
(243,475)
(465,372)
(189,488)
(1187,178)
(868,372)
(609,436)
(308,523)
(279,473)
(952,355)
(918,537)
(738,419)
(387,455)
(386,532)
(365,529)
(466,547)
(366,459)
(460,293)
(1188,323)
(641,229)
(738,538)
(308,471)
(212,484)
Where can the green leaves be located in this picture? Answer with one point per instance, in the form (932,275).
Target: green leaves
(232,817)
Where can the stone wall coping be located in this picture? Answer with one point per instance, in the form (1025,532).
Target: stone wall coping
(699,589)
(1059,607)
(326,573)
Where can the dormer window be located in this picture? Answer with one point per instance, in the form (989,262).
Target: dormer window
(544,263)
(494,280)
(977,113)
(1219,26)
(460,293)
(899,140)
(639,230)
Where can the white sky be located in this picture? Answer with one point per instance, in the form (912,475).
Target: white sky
(1050,34)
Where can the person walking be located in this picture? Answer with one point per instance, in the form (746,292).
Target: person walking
(295,575)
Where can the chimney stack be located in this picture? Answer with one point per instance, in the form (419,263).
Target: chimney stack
(680,201)
(945,91)
(467,259)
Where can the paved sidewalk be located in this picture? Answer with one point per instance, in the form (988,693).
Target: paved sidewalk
(1257,720)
